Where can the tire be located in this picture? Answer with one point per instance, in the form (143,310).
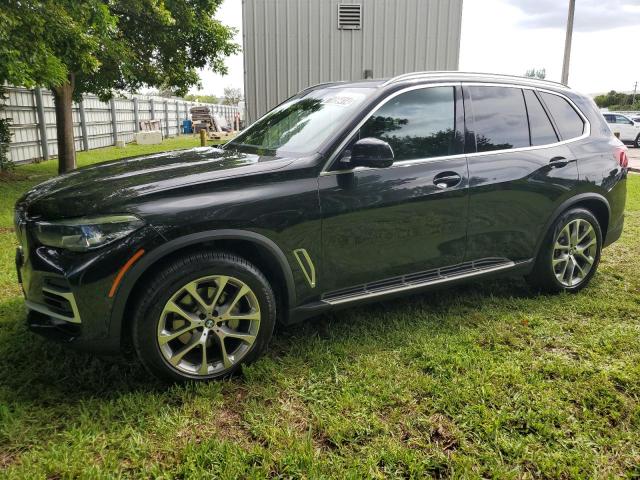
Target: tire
(180,337)
(637,142)
(557,251)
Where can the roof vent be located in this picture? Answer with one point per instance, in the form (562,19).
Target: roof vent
(349,16)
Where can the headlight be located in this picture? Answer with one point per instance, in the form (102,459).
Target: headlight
(82,234)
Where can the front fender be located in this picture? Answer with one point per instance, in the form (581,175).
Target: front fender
(151,258)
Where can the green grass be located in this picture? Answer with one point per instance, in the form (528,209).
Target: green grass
(484,380)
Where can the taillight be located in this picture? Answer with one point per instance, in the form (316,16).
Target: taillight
(621,157)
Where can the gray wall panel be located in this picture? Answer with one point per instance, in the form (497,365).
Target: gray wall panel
(292,44)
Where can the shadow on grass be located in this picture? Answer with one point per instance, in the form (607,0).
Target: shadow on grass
(41,372)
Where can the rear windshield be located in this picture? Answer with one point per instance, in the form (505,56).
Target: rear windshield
(300,125)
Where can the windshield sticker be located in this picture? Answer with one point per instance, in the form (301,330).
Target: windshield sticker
(342,100)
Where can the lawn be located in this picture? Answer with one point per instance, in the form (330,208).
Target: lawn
(485,380)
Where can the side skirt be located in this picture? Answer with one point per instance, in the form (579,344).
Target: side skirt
(410,283)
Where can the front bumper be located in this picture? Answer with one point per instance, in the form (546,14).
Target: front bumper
(67,293)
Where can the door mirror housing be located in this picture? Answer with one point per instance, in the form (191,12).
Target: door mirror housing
(372,153)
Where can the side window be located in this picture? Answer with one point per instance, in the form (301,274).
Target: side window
(569,123)
(542,132)
(500,118)
(610,118)
(417,124)
(623,120)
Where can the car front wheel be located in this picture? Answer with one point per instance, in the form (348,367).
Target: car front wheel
(203,316)
(570,253)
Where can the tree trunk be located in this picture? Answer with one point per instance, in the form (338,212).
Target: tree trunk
(63,99)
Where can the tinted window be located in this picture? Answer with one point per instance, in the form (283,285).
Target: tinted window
(622,119)
(500,118)
(542,132)
(417,124)
(567,119)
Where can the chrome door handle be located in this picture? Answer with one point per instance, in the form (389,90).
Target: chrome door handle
(447,180)
(558,161)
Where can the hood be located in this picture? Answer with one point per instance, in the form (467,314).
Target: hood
(106,186)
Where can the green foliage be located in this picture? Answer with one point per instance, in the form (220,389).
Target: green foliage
(5,136)
(120,44)
(202,98)
(618,101)
(533,73)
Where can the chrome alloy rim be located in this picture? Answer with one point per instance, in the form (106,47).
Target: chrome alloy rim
(209,325)
(574,252)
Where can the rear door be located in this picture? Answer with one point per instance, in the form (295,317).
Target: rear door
(383,222)
(519,169)
(628,130)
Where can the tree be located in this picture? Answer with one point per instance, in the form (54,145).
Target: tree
(533,73)
(5,136)
(232,96)
(101,46)
(617,101)
(202,98)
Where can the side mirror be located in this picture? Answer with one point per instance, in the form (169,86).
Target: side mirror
(372,153)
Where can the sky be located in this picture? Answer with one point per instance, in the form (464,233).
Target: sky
(512,36)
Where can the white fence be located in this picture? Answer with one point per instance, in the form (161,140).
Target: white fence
(96,124)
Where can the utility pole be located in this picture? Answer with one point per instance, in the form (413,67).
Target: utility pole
(567,43)
(635,89)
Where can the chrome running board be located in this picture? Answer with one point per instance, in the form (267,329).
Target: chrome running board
(419,280)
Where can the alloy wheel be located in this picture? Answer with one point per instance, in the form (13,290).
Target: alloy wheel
(209,325)
(574,252)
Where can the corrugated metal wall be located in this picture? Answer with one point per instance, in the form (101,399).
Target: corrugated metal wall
(31,138)
(292,44)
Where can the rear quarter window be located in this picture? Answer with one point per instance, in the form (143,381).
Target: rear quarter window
(568,121)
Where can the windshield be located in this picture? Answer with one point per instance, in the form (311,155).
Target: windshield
(300,125)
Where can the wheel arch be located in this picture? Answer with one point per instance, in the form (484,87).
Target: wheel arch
(256,248)
(597,204)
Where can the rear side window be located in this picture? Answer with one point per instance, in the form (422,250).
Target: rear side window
(569,123)
(542,132)
(417,124)
(500,118)
(610,118)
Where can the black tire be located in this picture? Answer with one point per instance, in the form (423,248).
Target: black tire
(637,142)
(543,276)
(172,279)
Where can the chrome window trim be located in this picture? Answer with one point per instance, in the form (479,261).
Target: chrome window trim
(405,163)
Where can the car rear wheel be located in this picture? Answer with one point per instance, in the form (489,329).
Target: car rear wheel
(204,316)
(637,142)
(570,254)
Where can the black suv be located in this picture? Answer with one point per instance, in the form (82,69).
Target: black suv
(345,193)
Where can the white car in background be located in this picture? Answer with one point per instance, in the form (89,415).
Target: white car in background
(628,129)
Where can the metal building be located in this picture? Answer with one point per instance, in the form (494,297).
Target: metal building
(292,44)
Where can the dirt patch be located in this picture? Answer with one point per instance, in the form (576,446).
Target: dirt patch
(443,432)
(7,459)
(6,230)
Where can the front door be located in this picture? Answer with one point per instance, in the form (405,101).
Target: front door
(410,217)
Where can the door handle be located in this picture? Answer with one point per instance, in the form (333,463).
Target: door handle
(447,180)
(558,162)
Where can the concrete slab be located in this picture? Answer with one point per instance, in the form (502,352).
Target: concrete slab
(634,159)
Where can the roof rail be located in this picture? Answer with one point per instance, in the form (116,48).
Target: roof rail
(431,74)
